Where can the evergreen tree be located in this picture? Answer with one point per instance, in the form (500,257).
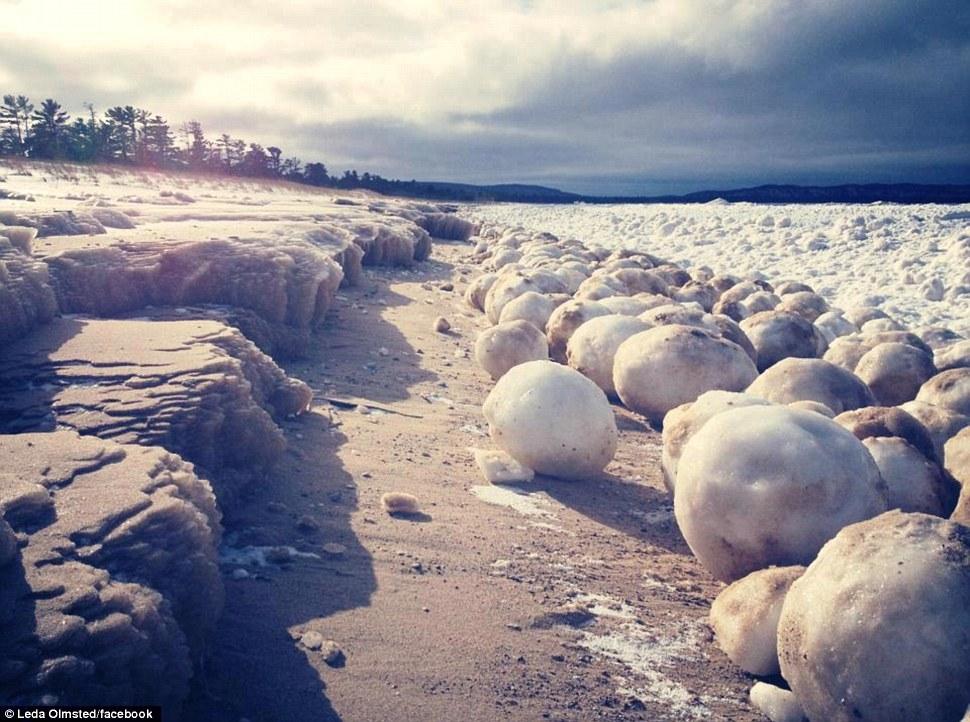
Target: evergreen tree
(47,137)
(15,115)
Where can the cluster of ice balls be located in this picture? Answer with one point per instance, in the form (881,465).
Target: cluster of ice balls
(787,424)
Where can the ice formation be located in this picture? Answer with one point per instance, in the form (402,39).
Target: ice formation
(501,347)
(117,585)
(683,421)
(745,618)
(552,419)
(800,379)
(656,370)
(564,321)
(592,348)
(878,626)
(769,485)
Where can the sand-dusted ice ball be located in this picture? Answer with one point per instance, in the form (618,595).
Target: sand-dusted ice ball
(895,372)
(667,366)
(552,419)
(889,421)
(564,321)
(815,406)
(833,324)
(745,618)
(778,334)
(626,305)
(683,314)
(592,349)
(913,482)
(701,293)
(531,306)
(475,293)
(881,325)
(501,347)
(776,703)
(938,337)
(860,315)
(941,424)
(507,287)
(949,389)
(768,485)
(806,304)
(878,626)
(760,301)
(957,456)
(735,310)
(732,332)
(812,379)
(954,356)
(682,422)
(785,288)
(639,280)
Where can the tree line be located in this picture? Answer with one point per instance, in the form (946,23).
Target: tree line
(136,137)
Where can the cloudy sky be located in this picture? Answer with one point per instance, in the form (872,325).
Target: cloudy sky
(608,97)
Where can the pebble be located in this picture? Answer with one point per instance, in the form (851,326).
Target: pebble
(334,549)
(307,523)
(441,325)
(332,654)
(240,574)
(312,640)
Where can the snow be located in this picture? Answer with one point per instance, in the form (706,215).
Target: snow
(898,255)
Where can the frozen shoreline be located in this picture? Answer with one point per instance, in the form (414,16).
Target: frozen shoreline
(895,255)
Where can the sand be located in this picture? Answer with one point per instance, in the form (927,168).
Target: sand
(478,608)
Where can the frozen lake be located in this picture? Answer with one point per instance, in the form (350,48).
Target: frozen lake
(912,261)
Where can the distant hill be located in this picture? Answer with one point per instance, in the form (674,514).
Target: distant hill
(850,193)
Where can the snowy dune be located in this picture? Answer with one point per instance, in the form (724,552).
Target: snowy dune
(913,261)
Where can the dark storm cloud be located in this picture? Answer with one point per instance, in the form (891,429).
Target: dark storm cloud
(664,94)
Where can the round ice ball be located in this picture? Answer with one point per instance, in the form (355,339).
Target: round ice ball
(552,419)
(501,347)
(592,349)
(664,367)
(949,389)
(682,422)
(878,626)
(564,321)
(769,485)
(895,371)
(745,618)
(530,306)
(803,379)
(779,334)
(913,482)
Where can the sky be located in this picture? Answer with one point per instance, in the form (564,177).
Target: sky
(595,97)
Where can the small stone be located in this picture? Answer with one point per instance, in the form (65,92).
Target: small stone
(277,507)
(334,549)
(514,627)
(8,543)
(307,523)
(396,502)
(312,640)
(447,286)
(441,325)
(383,351)
(332,654)
(239,574)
